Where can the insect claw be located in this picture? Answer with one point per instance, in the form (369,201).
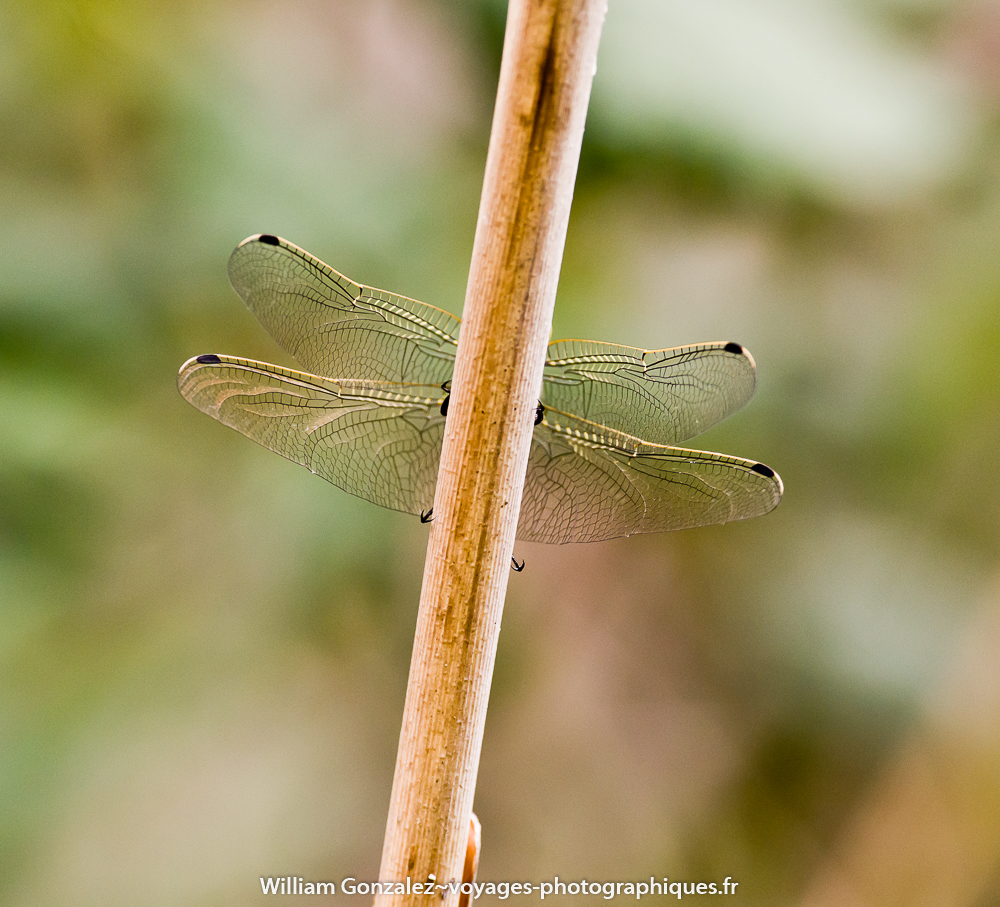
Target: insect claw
(515,565)
(426,516)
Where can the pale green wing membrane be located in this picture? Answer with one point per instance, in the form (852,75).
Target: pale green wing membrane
(377,440)
(336,327)
(587,483)
(370,420)
(661,396)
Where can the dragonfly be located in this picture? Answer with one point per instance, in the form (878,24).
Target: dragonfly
(369,411)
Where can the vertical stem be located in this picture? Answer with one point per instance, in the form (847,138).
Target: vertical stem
(549,59)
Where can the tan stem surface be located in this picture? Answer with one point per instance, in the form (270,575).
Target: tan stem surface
(549,59)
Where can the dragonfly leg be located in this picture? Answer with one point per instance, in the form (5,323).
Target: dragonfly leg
(539,414)
(426,515)
(517,568)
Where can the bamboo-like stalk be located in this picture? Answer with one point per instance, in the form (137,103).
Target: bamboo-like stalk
(549,60)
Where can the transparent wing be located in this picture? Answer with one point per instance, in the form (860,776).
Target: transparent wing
(336,327)
(374,426)
(381,441)
(586,484)
(663,396)
(377,440)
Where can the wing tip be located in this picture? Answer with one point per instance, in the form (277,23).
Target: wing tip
(738,349)
(203,359)
(269,239)
(238,262)
(194,364)
(265,239)
(188,366)
(762,469)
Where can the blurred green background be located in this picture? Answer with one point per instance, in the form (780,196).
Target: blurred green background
(204,648)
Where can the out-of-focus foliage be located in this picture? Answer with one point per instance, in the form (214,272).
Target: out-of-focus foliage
(203,648)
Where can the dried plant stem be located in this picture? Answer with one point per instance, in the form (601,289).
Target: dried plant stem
(549,59)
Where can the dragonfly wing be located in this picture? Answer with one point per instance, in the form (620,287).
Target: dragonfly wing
(379,441)
(662,396)
(336,327)
(581,490)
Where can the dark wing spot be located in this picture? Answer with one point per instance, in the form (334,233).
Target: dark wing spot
(733,348)
(444,405)
(209,359)
(763,470)
(269,239)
